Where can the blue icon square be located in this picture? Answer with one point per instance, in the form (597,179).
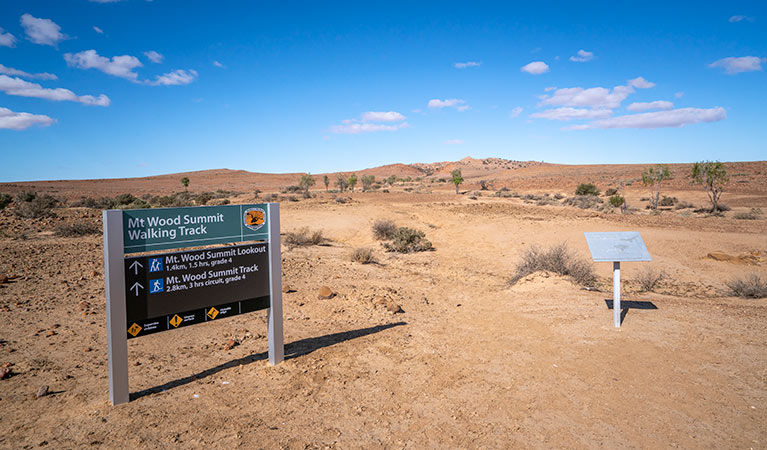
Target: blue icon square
(155,264)
(156,286)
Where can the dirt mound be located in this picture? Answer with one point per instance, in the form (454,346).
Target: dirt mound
(755,258)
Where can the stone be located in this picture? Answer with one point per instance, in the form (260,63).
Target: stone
(42,392)
(394,308)
(3,279)
(230,344)
(50,333)
(286,288)
(6,365)
(6,372)
(325,293)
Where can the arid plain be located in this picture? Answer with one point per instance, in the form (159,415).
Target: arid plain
(468,361)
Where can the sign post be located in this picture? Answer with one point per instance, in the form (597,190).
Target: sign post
(157,292)
(617,247)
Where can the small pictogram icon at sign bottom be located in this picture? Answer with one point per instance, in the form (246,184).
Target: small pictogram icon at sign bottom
(176,320)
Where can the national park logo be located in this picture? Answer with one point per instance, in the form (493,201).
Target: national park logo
(254,218)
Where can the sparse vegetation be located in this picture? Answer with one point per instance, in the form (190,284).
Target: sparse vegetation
(5,200)
(648,278)
(684,205)
(752,214)
(367,181)
(77,229)
(583,201)
(668,201)
(341,183)
(305,182)
(483,185)
(617,200)
(456,178)
(326,180)
(611,191)
(408,240)
(352,181)
(30,205)
(558,259)
(363,255)
(342,199)
(653,177)
(586,189)
(749,287)
(303,237)
(271,198)
(185,183)
(384,229)
(713,177)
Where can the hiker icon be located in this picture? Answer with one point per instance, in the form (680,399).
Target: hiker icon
(156,286)
(155,264)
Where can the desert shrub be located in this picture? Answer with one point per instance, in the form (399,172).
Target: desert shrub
(586,189)
(30,205)
(342,199)
(752,214)
(203,198)
(408,240)
(303,237)
(384,229)
(610,192)
(582,201)
(363,255)
(546,201)
(76,229)
(617,201)
(668,201)
(648,278)
(220,202)
(291,198)
(125,199)
(269,198)
(558,259)
(750,287)
(558,196)
(684,205)
(5,200)
(135,204)
(290,190)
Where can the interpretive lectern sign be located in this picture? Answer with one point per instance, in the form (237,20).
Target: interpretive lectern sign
(617,247)
(157,292)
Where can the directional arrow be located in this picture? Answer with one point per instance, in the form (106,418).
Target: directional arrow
(135,266)
(136,286)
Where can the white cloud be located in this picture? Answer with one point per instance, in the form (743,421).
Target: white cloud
(550,88)
(20,73)
(535,67)
(679,94)
(154,56)
(19,87)
(566,113)
(463,65)
(458,104)
(644,106)
(733,65)
(119,66)
(7,39)
(641,83)
(454,142)
(661,119)
(597,97)
(582,56)
(98,30)
(355,126)
(42,31)
(382,116)
(735,19)
(175,78)
(217,64)
(515,112)
(10,120)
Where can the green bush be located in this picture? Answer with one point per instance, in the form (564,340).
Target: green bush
(586,189)
(5,200)
(617,201)
(408,240)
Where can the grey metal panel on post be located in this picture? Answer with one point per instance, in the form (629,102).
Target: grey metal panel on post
(117,340)
(619,246)
(275,332)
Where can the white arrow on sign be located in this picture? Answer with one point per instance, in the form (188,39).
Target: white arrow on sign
(136,286)
(135,267)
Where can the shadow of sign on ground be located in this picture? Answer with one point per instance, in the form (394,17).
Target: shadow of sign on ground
(301,347)
(630,304)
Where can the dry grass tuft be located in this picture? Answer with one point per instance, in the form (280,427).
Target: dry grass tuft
(557,259)
(384,229)
(303,237)
(363,255)
(77,229)
(750,287)
(648,278)
(408,240)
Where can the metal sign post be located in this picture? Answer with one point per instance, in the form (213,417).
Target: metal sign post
(160,292)
(617,247)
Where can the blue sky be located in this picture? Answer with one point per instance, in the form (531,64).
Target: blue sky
(133,88)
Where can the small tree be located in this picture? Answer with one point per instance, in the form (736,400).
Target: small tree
(713,177)
(653,177)
(341,183)
(326,180)
(367,181)
(305,182)
(392,179)
(185,182)
(352,181)
(456,178)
